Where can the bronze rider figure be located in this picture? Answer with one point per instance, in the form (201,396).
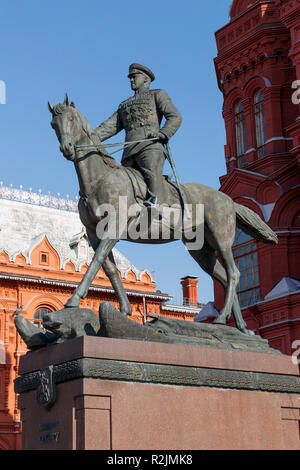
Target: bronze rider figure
(141,116)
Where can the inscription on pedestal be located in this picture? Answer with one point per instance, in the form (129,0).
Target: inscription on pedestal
(48,426)
(47,438)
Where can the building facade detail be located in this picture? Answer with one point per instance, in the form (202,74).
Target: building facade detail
(258,68)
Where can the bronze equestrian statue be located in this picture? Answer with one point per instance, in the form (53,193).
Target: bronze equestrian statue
(103,181)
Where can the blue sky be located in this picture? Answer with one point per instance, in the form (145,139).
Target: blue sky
(85,48)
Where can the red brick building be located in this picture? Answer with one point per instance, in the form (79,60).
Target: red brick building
(257,67)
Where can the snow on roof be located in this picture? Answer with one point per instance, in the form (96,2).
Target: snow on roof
(207,311)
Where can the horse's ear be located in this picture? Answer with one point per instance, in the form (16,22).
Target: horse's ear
(66,102)
(50,107)
(73,104)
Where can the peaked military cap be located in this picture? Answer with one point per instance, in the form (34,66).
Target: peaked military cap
(138,68)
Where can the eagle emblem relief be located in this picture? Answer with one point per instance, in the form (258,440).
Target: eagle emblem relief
(46,391)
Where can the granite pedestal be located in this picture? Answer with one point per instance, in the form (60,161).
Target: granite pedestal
(100,393)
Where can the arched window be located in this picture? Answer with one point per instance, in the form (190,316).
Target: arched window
(240,133)
(260,123)
(245,255)
(39,316)
(296,220)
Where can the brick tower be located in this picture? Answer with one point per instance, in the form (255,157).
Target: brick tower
(257,67)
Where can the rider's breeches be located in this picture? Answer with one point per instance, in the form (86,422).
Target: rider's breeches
(150,163)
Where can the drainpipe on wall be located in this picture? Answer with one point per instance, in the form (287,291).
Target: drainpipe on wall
(144,306)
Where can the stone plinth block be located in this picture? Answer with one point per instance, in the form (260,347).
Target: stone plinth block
(102,393)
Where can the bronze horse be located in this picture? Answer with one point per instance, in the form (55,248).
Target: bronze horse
(103,181)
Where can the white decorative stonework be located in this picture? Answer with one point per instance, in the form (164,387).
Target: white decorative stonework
(38,199)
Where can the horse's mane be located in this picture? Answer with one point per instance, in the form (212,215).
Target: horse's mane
(60,108)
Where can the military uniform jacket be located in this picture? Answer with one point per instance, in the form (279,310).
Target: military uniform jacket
(139,116)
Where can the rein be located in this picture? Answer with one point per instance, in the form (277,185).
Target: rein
(117,144)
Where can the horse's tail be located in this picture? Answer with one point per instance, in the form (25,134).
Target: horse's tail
(251,223)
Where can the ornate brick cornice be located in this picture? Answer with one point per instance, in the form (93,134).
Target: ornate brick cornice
(290,12)
(243,177)
(62,284)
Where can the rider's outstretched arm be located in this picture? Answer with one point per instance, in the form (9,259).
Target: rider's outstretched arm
(109,127)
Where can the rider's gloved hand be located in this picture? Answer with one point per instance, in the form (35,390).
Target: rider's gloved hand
(159,136)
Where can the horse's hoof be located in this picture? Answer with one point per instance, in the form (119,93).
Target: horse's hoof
(126,313)
(125,309)
(73,302)
(219,321)
(249,332)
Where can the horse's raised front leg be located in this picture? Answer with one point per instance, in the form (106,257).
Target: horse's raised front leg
(103,250)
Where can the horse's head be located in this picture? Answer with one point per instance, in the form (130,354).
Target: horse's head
(67,123)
